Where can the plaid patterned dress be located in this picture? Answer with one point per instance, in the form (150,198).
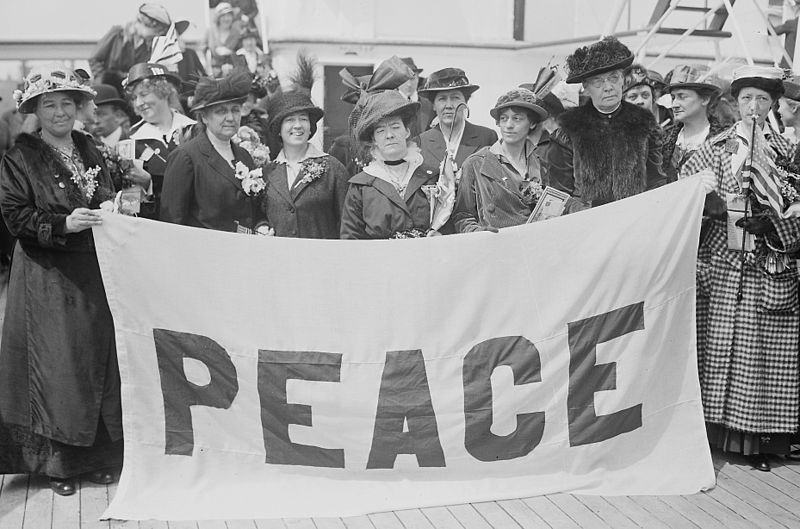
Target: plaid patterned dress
(747,349)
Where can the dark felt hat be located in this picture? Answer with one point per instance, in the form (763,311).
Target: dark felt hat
(108,95)
(600,57)
(286,103)
(447,79)
(374,107)
(234,87)
(521,98)
(638,75)
(791,90)
(148,70)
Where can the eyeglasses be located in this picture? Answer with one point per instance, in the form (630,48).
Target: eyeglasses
(600,80)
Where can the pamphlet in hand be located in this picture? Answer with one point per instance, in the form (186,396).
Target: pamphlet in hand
(551,204)
(126,149)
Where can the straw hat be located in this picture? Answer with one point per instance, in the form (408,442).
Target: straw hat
(47,79)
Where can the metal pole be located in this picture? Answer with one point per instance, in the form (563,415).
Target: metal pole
(739,32)
(641,50)
(771,31)
(616,15)
(684,35)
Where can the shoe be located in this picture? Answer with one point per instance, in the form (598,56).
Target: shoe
(794,455)
(101,477)
(759,462)
(63,487)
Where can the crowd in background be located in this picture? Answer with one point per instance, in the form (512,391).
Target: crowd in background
(232,151)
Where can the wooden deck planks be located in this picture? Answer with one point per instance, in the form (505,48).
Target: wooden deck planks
(12,501)
(441,518)
(39,505)
(548,511)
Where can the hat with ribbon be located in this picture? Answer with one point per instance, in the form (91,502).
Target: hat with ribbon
(519,98)
(388,75)
(233,88)
(46,79)
(694,77)
(146,70)
(378,97)
(767,78)
(600,57)
(447,79)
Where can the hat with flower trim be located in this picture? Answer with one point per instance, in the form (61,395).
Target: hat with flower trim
(47,79)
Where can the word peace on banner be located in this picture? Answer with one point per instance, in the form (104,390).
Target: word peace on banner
(269,377)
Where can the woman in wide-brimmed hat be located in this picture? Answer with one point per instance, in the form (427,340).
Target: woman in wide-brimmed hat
(153,92)
(387,200)
(500,184)
(748,312)
(694,92)
(59,383)
(449,91)
(210,181)
(306,187)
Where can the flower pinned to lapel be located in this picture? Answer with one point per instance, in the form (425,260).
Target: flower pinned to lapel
(252,181)
(313,169)
(531,191)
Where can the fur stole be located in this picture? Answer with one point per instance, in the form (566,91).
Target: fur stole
(43,161)
(610,154)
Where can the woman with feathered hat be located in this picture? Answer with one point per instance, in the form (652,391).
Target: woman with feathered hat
(393,196)
(305,187)
(748,313)
(60,409)
(606,149)
(210,182)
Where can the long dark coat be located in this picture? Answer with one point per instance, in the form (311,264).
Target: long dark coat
(433,147)
(747,349)
(373,209)
(311,210)
(58,366)
(201,188)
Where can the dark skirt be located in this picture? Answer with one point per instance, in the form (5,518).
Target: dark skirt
(24,452)
(747,443)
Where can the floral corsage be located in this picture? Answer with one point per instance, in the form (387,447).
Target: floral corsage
(531,192)
(312,169)
(252,181)
(87,181)
(248,139)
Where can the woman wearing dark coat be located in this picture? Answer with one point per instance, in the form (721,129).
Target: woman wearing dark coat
(449,91)
(60,409)
(305,187)
(209,181)
(387,199)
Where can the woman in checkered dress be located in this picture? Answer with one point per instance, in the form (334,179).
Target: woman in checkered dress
(747,314)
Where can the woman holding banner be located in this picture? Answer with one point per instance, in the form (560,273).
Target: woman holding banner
(747,310)
(60,409)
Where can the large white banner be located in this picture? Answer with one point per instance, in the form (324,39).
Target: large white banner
(268,377)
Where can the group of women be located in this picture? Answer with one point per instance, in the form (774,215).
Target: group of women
(59,385)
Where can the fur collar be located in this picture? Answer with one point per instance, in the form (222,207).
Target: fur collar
(45,162)
(609,153)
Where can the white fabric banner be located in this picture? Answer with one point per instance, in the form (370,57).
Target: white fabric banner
(269,377)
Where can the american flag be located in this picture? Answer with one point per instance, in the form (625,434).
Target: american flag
(764,182)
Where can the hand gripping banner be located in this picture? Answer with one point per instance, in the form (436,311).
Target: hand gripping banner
(267,377)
